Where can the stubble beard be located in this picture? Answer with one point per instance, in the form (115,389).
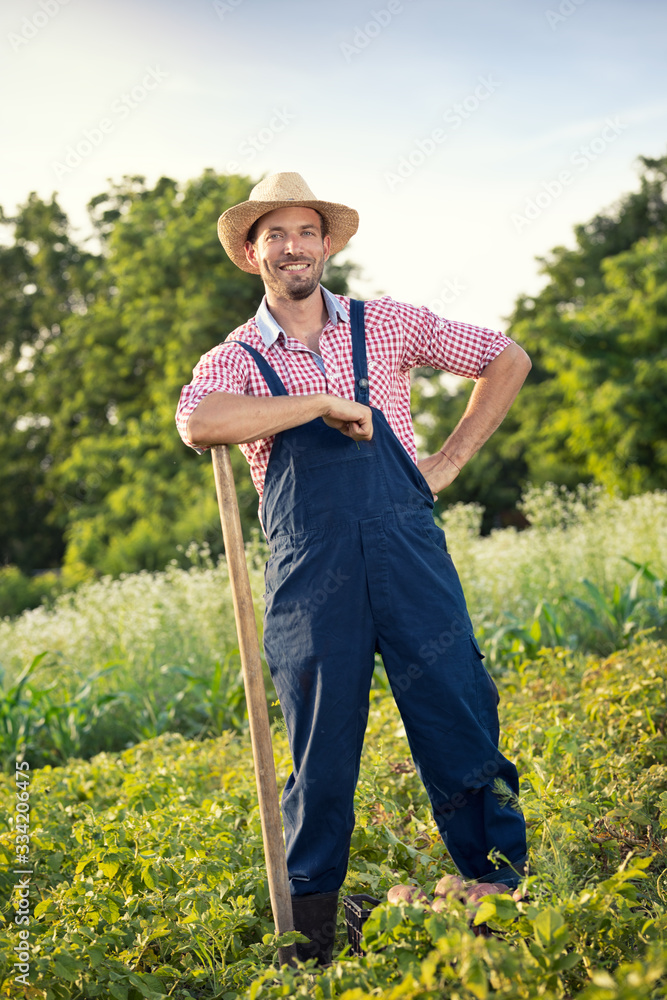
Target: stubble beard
(299,289)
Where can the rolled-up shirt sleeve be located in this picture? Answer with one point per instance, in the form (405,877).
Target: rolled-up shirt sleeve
(460,348)
(220,370)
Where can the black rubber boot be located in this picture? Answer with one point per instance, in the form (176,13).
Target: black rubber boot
(315,916)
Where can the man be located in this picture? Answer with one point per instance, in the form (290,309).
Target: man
(316,390)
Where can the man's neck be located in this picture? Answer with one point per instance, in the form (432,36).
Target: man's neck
(303,319)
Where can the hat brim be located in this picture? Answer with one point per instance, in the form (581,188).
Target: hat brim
(235,224)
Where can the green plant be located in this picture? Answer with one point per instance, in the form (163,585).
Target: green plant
(150,882)
(19,591)
(509,644)
(160,649)
(618,616)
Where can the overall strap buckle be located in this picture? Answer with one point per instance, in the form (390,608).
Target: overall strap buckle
(360,364)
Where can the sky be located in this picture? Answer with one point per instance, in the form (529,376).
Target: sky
(470,136)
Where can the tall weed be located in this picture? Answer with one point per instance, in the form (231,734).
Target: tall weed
(534,588)
(153,652)
(118,661)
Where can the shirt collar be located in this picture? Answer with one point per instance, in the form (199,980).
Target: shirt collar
(270,328)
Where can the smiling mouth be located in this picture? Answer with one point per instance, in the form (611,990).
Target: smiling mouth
(295,267)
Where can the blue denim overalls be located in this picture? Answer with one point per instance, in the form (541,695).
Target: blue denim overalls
(358,565)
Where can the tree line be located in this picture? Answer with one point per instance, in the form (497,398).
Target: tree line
(593,408)
(98,336)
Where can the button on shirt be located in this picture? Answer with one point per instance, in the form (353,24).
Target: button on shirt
(399,337)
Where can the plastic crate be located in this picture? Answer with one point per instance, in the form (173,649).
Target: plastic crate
(357,910)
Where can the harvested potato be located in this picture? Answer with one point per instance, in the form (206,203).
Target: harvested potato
(500,887)
(440,903)
(407,894)
(477,892)
(450,885)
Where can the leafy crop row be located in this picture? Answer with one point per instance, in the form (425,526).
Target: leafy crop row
(149,877)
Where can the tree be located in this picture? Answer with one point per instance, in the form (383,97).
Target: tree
(95,347)
(572,333)
(124,486)
(612,386)
(42,283)
(590,410)
(120,486)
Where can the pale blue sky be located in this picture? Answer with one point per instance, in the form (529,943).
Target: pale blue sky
(481,105)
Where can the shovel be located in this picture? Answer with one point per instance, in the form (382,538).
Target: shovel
(258,715)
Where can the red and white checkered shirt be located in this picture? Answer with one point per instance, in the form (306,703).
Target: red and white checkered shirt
(399,337)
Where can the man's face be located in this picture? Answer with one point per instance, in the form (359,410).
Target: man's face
(290,251)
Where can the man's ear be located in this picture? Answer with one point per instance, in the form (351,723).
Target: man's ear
(251,253)
(326,243)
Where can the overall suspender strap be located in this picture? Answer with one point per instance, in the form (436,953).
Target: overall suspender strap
(361,392)
(360,364)
(271,377)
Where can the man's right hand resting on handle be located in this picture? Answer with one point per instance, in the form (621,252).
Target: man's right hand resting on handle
(228,418)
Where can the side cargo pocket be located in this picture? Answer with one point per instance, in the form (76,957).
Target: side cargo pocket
(487,694)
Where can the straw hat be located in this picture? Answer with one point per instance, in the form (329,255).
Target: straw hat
(281,191)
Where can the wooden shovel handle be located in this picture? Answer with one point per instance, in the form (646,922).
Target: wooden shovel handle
(258,715)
